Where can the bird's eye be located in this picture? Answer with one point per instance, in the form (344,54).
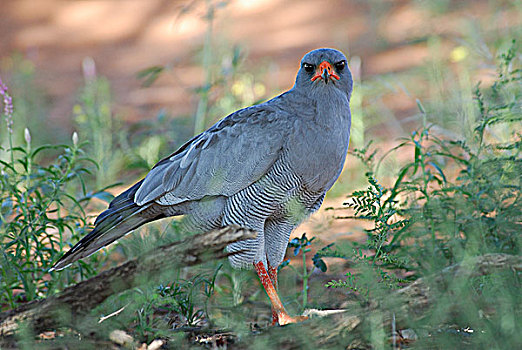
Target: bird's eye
(339,66)
(308,67)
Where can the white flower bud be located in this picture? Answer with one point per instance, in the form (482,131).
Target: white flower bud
(75,138)
(27,136)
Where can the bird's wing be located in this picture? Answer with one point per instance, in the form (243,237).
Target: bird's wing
(223,160)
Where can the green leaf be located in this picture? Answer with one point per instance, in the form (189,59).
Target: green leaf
(150,75)
(319,263)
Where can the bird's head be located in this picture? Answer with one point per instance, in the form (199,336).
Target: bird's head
(323,70)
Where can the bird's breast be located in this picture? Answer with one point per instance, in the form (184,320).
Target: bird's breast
(318,153)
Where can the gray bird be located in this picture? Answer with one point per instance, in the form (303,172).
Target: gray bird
(265,167)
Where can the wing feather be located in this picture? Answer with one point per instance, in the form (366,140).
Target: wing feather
(223,160)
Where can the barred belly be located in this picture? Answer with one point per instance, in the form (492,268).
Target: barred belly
(273,206)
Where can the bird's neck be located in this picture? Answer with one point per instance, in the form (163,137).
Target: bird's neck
(332,108)
(326,108)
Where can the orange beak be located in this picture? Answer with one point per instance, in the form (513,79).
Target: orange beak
(325,72)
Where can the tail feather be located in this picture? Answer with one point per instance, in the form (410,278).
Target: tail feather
(125,199)
(125,196)
(122,216)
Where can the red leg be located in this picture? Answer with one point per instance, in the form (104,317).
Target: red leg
(272,273)
(282,316)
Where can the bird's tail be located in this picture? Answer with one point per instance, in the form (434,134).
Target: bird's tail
(122,216)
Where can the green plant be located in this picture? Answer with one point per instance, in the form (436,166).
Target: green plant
(455,199)
(378,205)
(176,305)
(231,292)
(93,115)
(431,218)
(40,212)
(31,105)
(302,245)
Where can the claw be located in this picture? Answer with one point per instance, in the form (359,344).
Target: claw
(285,319)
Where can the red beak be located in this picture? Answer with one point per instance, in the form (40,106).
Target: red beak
(325,72)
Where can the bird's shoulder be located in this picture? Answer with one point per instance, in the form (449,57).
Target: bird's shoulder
(274,112)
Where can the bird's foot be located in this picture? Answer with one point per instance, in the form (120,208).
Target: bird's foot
(285,319)
(279,314)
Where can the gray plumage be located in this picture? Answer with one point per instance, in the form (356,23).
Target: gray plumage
(266,167)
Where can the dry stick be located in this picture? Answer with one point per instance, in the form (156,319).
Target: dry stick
(68,306)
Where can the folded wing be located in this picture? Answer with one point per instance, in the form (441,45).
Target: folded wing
(223,160)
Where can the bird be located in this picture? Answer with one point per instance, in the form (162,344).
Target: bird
(266,167)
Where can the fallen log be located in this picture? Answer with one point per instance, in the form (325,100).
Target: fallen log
(65,308)
(341,328)
(420,295)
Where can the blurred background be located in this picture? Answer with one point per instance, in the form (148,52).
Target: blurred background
(138,78)
(392,41)
(135,79)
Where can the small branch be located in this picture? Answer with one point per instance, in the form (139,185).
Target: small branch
(68,306)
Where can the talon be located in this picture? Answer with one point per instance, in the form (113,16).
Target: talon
(285,319)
